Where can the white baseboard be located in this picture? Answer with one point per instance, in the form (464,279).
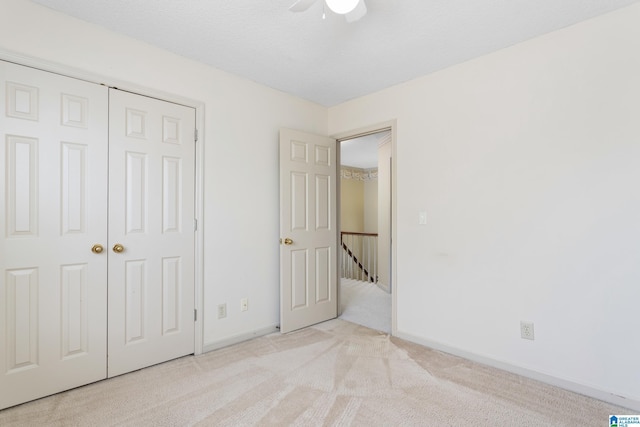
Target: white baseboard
(585,390)
(240,338)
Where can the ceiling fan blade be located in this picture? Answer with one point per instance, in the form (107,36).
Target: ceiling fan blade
(301,5)
(357,13)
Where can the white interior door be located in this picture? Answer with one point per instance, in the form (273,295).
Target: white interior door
(151,231)
(308,249)
(53,210)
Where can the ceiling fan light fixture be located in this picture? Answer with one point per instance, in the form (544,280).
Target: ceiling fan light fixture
(342,7)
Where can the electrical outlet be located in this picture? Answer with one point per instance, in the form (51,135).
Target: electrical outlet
(222,311)
(422,218)
(526,330)
(244,304)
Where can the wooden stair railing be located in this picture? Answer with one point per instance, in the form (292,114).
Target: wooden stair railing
(368,257)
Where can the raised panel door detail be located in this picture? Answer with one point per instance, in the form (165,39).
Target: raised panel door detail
(136,192)
(170,130)
(299,152)
(73,193)
(171,197)
(74,111)
(323,156)
(22,186)
(151,207)
(308,276)
(299,279)
(53,209)
(22,101)
(136,123)
(22,319)
(74,336)
(171,291)
(323,274)
(299,201)
(135,298)
(323,202)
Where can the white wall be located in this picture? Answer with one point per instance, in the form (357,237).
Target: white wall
(241,150)
(527,162)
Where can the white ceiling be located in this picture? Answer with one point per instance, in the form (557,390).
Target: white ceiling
(362,152)
(330,61)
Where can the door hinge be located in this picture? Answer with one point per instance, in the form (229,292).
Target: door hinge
(195,315)
(195,135)
(195,224)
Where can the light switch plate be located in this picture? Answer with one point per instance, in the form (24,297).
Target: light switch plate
(422,218)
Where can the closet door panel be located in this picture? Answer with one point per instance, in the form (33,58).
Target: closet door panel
(151,231)
(53,210)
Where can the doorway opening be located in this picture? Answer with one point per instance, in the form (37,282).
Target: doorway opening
(365,230)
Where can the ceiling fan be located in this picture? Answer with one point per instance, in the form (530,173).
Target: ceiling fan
(351,9)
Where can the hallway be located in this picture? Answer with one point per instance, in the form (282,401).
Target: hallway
(365,304)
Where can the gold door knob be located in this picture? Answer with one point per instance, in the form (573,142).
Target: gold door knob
(118,248)
(97,249)
(288,241)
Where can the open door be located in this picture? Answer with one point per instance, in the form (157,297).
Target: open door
(308,234)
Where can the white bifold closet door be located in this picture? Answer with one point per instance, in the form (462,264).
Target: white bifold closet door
(96,183)
(151,217)
(53,291)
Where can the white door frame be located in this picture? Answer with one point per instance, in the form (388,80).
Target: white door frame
(390,125)
(199,166)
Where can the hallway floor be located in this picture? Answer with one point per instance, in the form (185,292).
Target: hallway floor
(365,304)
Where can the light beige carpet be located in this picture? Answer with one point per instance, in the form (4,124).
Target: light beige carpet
(334,374)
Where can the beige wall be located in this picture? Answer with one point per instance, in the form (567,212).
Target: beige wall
(526,163)
(351,205)
(358,201)
(371,206)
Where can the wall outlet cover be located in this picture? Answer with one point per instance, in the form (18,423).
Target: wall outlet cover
(526,330)
(222,311)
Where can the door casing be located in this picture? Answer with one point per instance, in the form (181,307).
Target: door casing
(390,125)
